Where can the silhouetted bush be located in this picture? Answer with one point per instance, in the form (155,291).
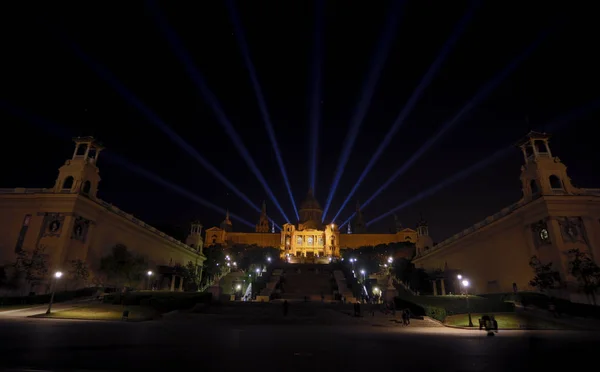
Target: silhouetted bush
(438,307)
(45,298)
(161,301)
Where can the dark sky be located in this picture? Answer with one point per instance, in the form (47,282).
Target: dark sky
(43,76)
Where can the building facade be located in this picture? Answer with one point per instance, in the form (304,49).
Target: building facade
(311,238)
(552,217)
(69,222)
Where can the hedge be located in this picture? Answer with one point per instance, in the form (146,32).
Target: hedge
(45,298)
(542,301)
(161,301)
(440,307)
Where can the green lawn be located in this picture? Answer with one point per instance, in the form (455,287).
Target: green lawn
(104,312)
(506,321)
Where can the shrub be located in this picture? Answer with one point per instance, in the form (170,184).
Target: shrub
(45,298)
(161,301)
(440,307)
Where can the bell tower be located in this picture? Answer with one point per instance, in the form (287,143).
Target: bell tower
(359,224)
(263,222)
(80,174)
(226,225)
(542,174)
(194,239)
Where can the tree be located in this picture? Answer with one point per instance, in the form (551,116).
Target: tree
(545,277)
(123,268)
(34,265)
(79,272)
(215,258)
(585,270)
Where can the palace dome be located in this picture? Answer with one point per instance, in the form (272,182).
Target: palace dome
(310,202)
(310,212)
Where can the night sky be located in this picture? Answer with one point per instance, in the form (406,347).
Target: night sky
(42,75)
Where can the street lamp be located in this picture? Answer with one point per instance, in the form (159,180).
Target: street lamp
(269,259)
(149,273)
(363,274)
(57,276)
(465,284)
(390,259)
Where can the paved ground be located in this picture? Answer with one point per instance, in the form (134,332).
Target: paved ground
(315,338)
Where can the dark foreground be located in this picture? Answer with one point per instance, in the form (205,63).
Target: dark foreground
(227,342)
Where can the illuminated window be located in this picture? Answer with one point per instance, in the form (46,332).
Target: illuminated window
(544,235)
(321,240)
(22,233)
(299,240)
(309,240)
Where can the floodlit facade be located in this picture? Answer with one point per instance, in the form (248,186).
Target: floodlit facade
(69,222)
(310,238)
(552,217)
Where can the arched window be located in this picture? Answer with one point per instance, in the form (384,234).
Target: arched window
(87,185)
(555,182)
(214,239)
(534,187)
(68,183)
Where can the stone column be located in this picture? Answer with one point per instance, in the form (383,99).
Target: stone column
(172,283)
(435,287)
(180,284)
(443,287)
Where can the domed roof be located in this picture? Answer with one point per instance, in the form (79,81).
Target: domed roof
(310,202)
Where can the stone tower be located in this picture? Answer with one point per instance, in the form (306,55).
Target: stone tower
(263,222)
(359,223)
(80,174)
(226,224)
(542,174)
(424,241)
(194,239)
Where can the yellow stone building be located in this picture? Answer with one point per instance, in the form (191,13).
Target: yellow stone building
(69,222)
(312,239)
(552,217)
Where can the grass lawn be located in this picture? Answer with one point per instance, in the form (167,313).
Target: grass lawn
(104,312)
(506,321)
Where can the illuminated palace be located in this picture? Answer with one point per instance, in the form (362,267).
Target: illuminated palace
(552,217)
(311,238)
(68,222)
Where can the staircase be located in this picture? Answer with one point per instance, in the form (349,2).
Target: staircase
(310,281)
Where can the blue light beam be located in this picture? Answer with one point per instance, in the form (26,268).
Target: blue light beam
(377,63)
(155,120)
(555,125)
(315,107)
(122,162)
(210,98)
(239,33)
(423,84)
(479,96)
(457,176)
(60,132)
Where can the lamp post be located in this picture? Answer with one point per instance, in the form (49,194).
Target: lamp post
(363,275)
(57,276)
(149,273)
(465,284)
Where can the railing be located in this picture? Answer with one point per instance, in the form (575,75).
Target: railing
(108,206)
